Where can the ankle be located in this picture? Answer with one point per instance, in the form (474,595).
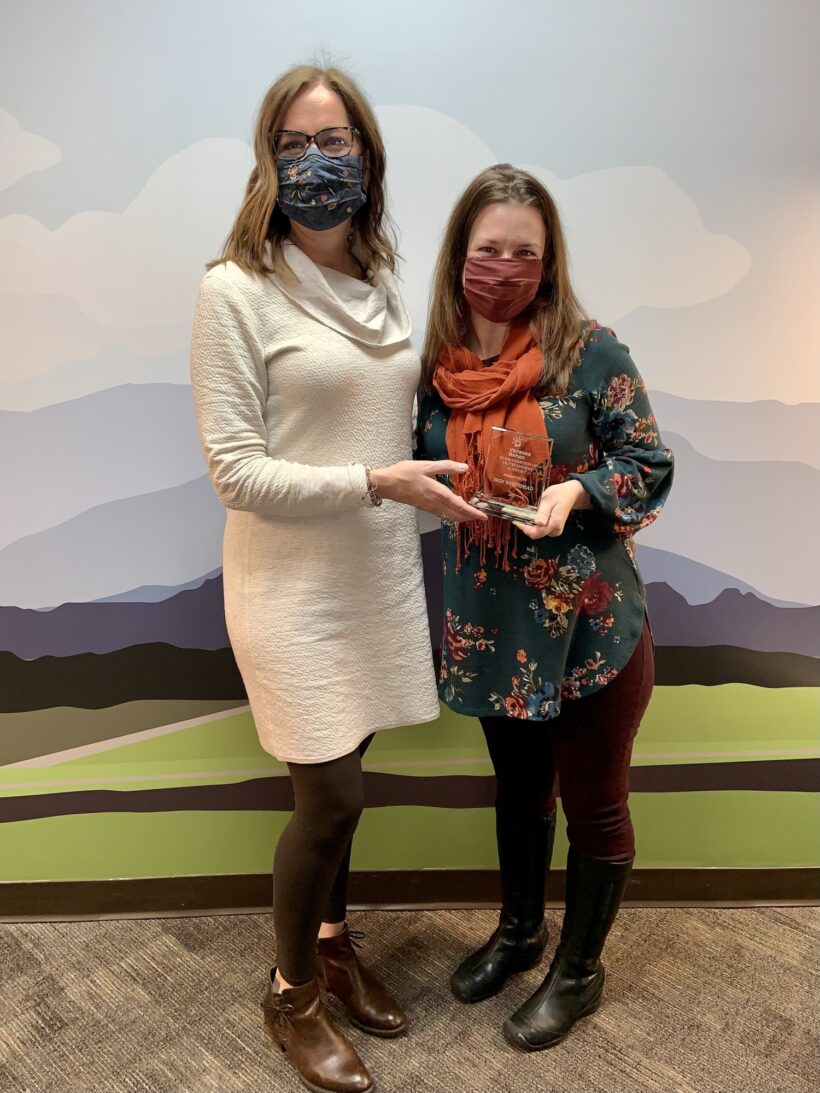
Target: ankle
(280,983)
(332,929)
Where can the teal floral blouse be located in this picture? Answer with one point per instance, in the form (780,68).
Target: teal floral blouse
(567,616)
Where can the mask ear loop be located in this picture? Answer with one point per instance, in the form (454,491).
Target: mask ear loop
(350,234)
(365,171)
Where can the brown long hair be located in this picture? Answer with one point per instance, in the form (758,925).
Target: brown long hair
(556,317)
(260,218)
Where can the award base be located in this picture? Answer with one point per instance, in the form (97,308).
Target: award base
(503,510)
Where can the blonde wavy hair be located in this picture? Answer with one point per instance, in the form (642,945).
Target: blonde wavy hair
(260,219)
(556,317)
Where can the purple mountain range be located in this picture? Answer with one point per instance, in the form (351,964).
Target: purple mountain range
(733,618)
(194,619)
(153,593)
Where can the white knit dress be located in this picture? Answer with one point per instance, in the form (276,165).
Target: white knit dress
(296,386)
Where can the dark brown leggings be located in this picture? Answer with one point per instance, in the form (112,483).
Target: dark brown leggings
(589,747)
(312,860)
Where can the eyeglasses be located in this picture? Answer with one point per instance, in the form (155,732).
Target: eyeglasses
(337,141)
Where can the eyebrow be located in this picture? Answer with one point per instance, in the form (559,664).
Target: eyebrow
(494,242)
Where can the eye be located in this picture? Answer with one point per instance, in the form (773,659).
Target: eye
(487,248)
(525,252)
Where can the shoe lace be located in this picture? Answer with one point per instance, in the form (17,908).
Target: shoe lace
(356,938)
(280,1010)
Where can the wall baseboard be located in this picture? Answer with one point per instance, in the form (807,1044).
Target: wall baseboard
(395,889)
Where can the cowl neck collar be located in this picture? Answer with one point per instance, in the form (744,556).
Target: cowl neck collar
(370,312)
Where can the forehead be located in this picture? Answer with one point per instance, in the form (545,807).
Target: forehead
(513,223)
(315,108)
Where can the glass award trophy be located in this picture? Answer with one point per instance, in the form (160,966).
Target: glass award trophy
(516,472)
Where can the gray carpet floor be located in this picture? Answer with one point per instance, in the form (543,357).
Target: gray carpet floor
(697,1000)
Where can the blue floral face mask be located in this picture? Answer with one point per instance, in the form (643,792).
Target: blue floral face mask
(319,192)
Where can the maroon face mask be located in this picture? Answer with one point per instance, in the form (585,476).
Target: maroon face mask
(500,288)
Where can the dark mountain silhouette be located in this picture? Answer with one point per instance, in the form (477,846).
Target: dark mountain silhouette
(733,618)
(713,665)
(94,681)
(191,619)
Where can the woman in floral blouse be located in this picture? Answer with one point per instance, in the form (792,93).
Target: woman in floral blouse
(546,638)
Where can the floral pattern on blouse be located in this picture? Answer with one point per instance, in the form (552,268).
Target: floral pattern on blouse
(565,619)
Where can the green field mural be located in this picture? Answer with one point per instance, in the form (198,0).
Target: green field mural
(682,830)
(688,731)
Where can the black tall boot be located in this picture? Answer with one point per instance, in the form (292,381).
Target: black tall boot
(574,984)
(518,942)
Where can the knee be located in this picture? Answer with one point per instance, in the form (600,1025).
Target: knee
(525,797)
(606,834)
(334,819)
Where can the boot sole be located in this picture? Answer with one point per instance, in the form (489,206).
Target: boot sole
(276,1041)
(384,1033)
(499,987)
(511,1034)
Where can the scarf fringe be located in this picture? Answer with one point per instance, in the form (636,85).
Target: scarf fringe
(499,535)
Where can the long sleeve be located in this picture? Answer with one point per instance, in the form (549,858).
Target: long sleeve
(229,382)
(630,485)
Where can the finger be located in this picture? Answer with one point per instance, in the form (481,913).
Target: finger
(555,524)
(456,508)
(530,530)
(460,511)
(446,499)
(527,529)
(544,512)
(444,466)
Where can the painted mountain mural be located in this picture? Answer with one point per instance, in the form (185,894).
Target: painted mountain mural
(113,643)
(167,537)
(112,495)
(127,747)
(122,442)
(192,618)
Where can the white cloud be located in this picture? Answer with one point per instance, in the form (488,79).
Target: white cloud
(23,153)
(138,268)
(83,376)
(124,281)
(41,333)
(636,239)
(127,281)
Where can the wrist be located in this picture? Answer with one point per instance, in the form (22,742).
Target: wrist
(581,499)
(378,480)
(372,493)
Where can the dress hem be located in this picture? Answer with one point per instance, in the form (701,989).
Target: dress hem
(590,691)
(372,729)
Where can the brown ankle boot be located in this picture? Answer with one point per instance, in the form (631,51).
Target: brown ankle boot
(322,1055)
(369,1003)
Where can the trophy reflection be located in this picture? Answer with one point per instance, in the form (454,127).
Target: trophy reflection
(516,472)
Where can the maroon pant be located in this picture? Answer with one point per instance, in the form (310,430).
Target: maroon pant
(589,748)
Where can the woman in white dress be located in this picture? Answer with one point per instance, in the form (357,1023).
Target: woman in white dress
(304,379)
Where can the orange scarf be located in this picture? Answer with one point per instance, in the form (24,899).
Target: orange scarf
(480,396)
